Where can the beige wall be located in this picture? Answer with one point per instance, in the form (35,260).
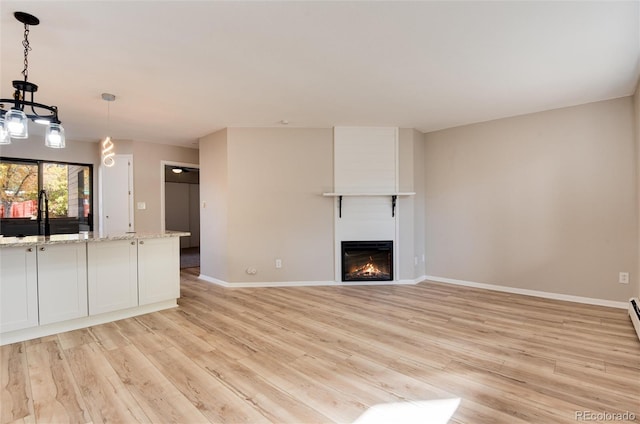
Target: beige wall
(545,201)
(411,208)
(419,188)
(214,215)
(276,210)
(148,179)
(263,192)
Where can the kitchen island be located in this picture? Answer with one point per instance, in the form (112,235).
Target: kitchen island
(64,282)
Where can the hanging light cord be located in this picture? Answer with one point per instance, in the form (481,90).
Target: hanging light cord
(108,118)
(27,48)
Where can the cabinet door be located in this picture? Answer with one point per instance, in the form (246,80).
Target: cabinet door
(18,288)
(62,282)
(112,275)
(158,269)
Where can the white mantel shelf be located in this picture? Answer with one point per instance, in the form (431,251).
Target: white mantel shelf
(400,193)
(394,195)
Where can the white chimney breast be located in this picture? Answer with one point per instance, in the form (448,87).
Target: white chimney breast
(365,159)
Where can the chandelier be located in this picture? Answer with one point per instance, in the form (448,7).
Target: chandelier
(13,122)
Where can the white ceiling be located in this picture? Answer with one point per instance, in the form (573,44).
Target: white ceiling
(183,69)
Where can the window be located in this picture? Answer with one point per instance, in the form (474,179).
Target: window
(68,188)
(19,183)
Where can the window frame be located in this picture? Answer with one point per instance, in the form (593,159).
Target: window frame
(40,164)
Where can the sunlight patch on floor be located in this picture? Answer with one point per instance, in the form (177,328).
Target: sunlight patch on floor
(423,412)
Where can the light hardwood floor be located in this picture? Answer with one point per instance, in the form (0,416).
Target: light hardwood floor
(325,354)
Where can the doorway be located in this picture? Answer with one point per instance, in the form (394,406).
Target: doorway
(181,207)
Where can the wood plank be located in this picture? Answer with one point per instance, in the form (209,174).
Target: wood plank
(275,404)
(160,400)
(336,405)
(106,396)
(29,419)
(214,400)
(15,395)
(108,336)
(159,323)
(56,397)
(75,338)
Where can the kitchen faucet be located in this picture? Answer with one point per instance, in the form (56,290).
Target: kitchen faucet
(43,227)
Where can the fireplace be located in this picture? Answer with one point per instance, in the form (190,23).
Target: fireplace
(367,260)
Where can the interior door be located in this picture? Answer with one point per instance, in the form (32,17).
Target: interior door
(116,200)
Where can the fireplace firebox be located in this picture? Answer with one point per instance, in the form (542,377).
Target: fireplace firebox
(367,260)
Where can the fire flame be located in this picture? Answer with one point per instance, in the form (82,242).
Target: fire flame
(367,270)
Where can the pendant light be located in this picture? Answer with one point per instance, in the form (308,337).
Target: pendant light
(14,122)
(108,152)
(4,134)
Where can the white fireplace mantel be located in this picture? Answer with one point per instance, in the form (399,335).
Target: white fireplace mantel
(408,193)
(393,196)
(365,189)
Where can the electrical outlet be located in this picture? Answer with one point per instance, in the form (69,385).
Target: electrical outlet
(623,278)
(278,263)
(415,260)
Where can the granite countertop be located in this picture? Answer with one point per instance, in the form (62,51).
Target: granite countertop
(83,237)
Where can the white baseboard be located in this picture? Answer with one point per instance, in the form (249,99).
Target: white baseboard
(304,283)
(75,324)
(537,293)
(527,292)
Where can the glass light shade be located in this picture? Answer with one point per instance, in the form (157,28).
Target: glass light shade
(4,134)
(54,137)
(108,153)
(15,121)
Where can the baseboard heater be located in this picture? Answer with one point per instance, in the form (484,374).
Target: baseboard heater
(634,314)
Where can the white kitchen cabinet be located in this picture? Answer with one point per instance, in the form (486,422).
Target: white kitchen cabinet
(112,272)
(62,282)
(18,288)
(158,269)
